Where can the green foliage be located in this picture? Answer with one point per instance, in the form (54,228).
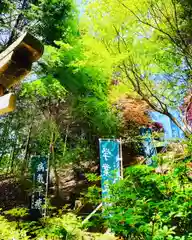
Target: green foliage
(65,227)
(150,205)
(69,107)
(145,46)
(17,212)
(93,194)
(69,103)
(62,226)
(9,230)
(56,19)
(49,20)
(87,80)
(91,177)
(80,153)
(189,145)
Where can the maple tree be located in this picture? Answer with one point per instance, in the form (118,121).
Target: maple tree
(144,43)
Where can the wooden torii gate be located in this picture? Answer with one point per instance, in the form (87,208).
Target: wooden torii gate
(15,64)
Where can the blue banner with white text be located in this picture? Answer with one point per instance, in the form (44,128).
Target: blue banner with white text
(109,164)
(39,172)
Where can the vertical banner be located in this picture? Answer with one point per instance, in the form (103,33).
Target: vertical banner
(110,165)
(39,170)
(148,146)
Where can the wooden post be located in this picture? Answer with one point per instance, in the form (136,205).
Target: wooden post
(121,158)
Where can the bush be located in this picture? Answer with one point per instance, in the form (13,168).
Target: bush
(66,226)
(63,226)
(147,205)
(9,230)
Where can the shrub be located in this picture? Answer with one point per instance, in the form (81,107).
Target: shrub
(10,231)
(147,205)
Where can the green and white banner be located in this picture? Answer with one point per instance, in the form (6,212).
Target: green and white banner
(39,170)
(109,164)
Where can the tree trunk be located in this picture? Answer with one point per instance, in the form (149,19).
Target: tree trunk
(65,141)
(17,22)
(10,170)
(4,138)
(56,174)
(24,165)
(179,125)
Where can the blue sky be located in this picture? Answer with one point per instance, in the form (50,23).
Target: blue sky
(79,2)
(80,6)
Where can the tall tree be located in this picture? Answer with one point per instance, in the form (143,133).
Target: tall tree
(144,40)
(87,80)
(50,20)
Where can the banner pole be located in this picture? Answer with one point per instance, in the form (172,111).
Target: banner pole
(92,213)
(47,182)
(121,158)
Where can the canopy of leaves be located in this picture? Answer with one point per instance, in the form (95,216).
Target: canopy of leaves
(145,44)
(48,20)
